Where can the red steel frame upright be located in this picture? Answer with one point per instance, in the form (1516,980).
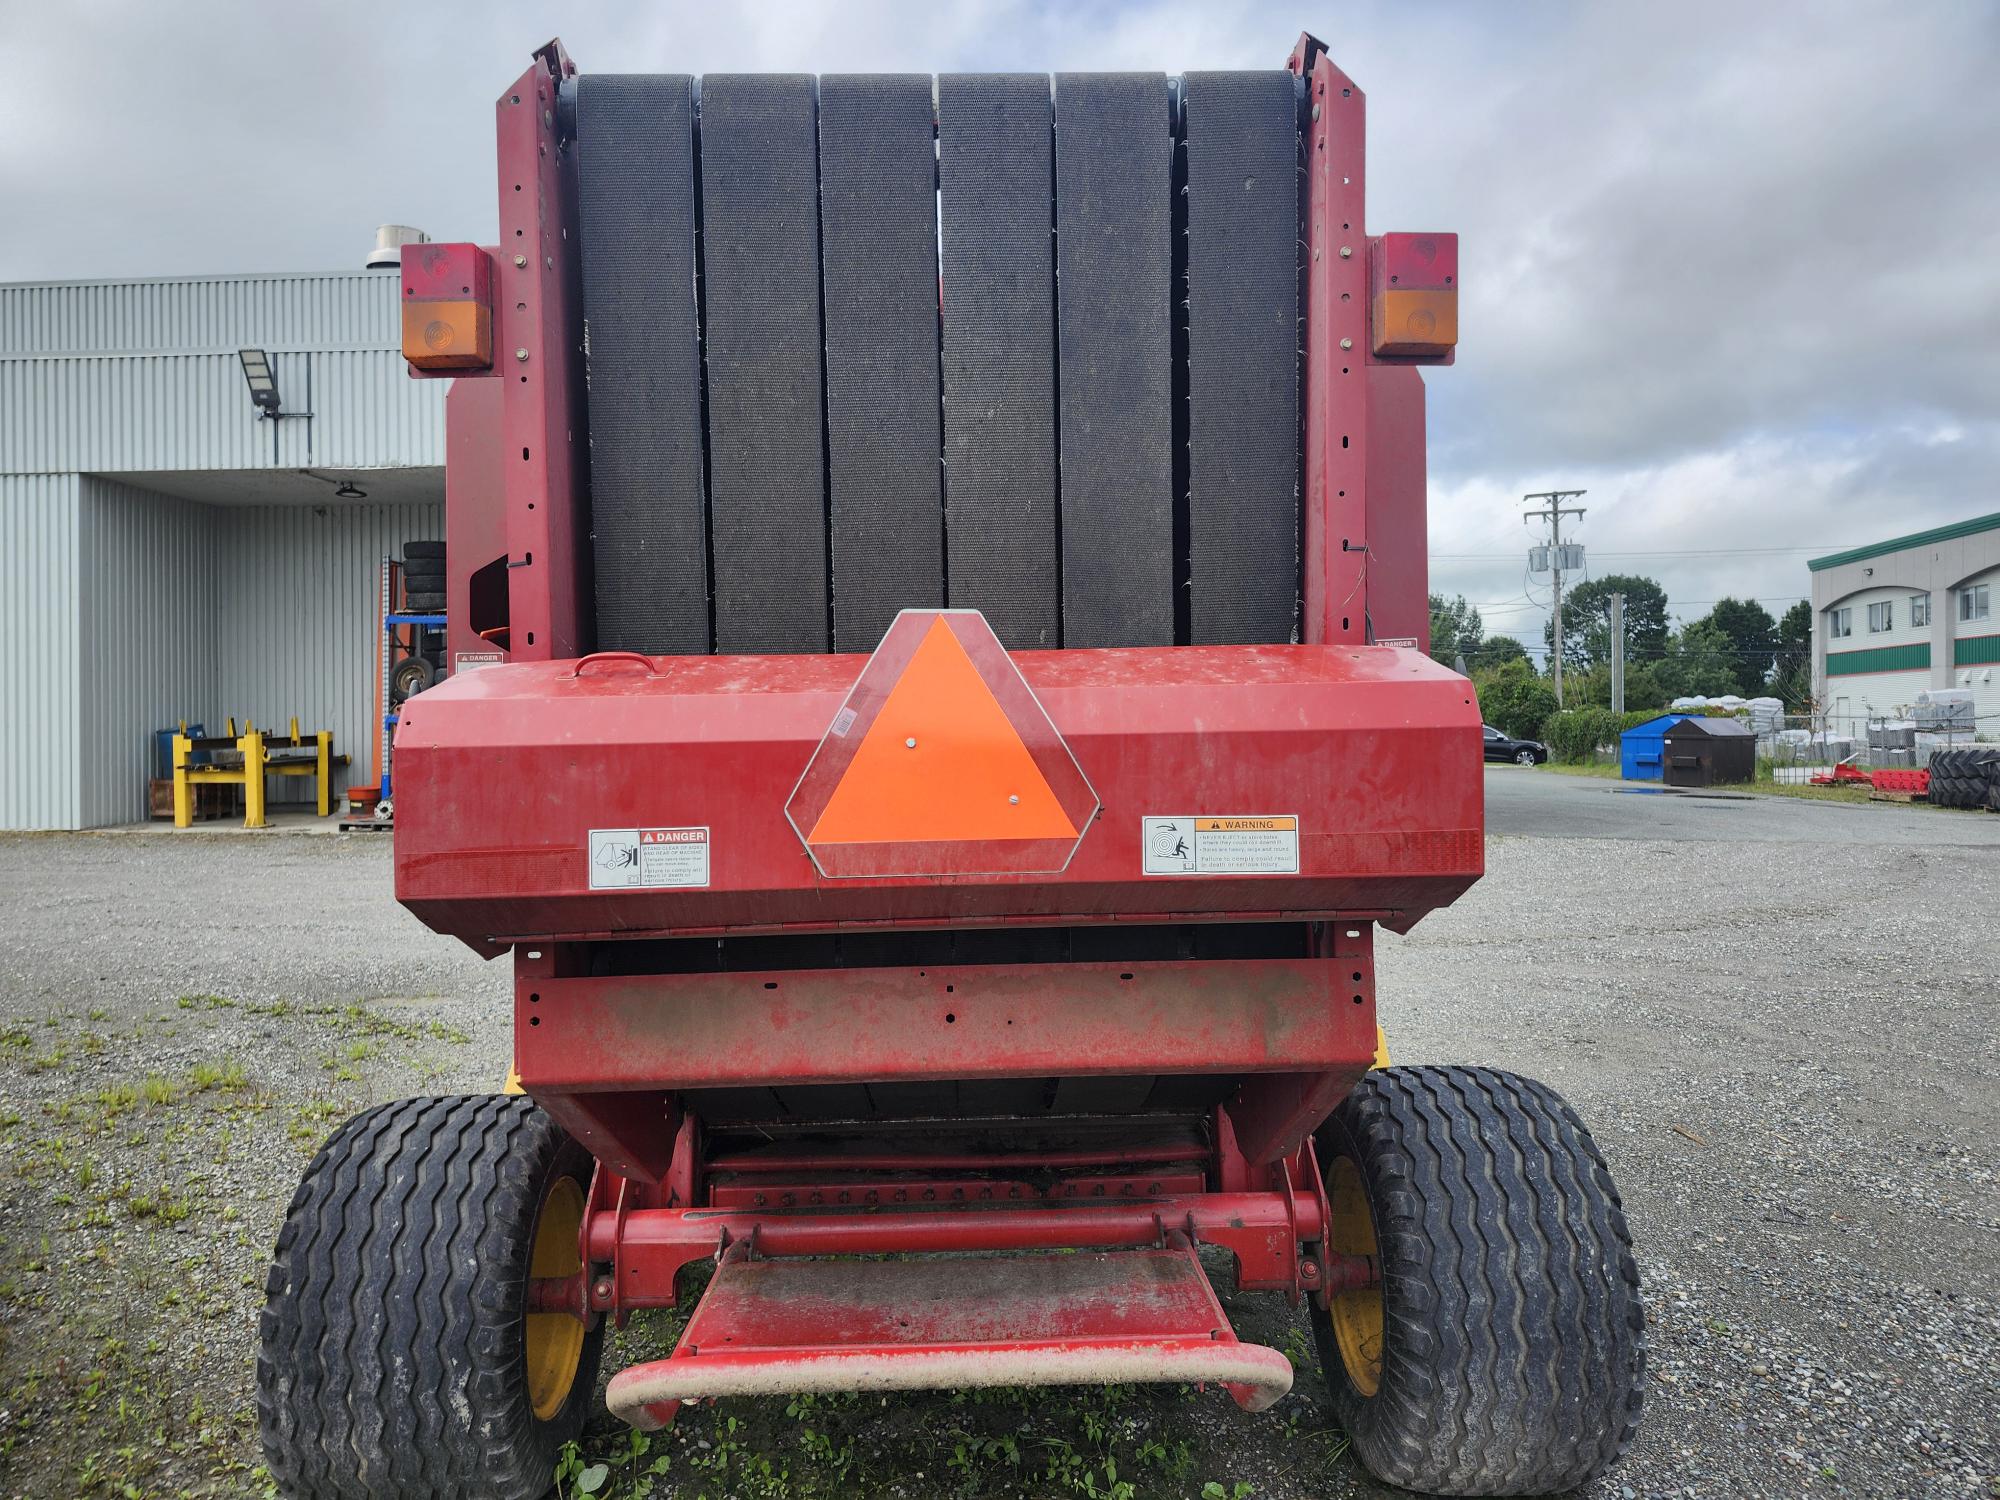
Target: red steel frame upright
(538,360)
(1336,376)
(609,1057)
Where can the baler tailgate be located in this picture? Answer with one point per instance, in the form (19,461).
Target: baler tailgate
(780,1327)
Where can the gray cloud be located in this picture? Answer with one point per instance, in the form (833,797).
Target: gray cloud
(1729,266)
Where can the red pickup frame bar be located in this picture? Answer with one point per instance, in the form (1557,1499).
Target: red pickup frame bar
(608,1056)
(634,1250)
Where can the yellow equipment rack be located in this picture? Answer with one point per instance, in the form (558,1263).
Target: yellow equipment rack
(296,755)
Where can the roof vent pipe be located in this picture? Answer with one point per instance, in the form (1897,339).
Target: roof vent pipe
(389,241)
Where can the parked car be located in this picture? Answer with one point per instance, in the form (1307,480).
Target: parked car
(1521,752)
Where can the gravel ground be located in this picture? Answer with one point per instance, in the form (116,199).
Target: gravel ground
(1786,1050)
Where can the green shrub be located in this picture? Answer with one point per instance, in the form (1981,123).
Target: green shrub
(1575,734)
(1514,698)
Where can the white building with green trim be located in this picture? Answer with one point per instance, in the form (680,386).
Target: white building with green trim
(1914,612)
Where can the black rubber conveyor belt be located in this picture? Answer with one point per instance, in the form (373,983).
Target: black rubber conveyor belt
(1114,264)
(1243,341)
(636,207)
(994,173)
(760,269)
(878,243)
(1030,349)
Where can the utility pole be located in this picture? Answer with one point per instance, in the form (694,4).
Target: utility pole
(1618,653)
(1553,512)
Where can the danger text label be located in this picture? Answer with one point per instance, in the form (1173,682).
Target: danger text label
(624,859)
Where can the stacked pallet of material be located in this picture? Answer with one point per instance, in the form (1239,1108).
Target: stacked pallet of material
(1946,711)
(1892,742)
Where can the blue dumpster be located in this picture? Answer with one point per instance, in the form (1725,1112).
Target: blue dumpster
(1642,747)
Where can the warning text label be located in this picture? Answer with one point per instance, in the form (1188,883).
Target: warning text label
(1215,844)
(624,859)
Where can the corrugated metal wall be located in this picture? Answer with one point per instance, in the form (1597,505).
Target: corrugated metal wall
(38,668)
(136,376)
(327,310)
(199,613)
(140,412)
(127,610)
(148,618)
(295,629)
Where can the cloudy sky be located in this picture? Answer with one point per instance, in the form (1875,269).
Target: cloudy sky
(1734,269)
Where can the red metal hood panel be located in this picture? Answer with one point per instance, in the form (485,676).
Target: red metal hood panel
(502,773)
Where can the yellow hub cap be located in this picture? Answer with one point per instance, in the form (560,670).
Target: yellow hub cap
(1356,1315)
(555,1340)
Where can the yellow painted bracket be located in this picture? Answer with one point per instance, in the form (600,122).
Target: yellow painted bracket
(1381,1050)
(250,775)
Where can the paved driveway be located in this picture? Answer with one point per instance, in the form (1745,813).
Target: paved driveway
(1539,803)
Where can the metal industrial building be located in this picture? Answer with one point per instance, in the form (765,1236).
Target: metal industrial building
(1915,612)
(167,553)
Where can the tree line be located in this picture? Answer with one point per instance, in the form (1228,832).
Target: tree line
(1737,647)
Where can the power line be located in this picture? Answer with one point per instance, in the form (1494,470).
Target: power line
(1507,604)
(1736,653)
(1601,552)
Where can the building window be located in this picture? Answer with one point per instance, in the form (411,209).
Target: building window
(1881,617)
(1973,603)
(1920,611)
(1839,622)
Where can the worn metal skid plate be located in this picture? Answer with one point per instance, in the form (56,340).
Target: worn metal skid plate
(774,1327)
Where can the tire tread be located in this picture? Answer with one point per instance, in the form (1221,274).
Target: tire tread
(1514,1329)
(389,1363)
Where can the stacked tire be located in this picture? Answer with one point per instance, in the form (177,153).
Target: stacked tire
(1966,778)
(423,578)
(423,594)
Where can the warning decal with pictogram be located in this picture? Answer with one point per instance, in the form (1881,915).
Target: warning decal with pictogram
(941,762)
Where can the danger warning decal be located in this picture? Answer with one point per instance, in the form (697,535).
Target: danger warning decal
(941,762)
(1212,844)
(629,859)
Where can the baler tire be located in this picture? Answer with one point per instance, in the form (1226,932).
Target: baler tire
(1511,1350)
(393,1342)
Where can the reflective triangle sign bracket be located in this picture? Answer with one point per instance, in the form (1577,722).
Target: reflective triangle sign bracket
(941,762)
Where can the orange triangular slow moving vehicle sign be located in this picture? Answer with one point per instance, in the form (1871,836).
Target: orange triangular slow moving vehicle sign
(941,762)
